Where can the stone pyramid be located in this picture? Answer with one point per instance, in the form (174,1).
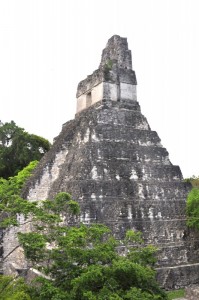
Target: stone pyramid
(114,165)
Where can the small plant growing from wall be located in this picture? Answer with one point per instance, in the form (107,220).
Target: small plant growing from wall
(107,67)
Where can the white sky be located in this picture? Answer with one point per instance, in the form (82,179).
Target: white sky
(48,46)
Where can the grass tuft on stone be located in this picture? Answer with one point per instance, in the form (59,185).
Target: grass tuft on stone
(176,294)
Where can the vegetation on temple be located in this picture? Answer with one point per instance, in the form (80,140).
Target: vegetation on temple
(13,288)
(10,201)
(80,262)
(85,264)
(77,262)
(176,294)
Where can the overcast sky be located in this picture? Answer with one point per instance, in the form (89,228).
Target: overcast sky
(48,46)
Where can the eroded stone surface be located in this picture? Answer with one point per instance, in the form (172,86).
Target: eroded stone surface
(114,165)
(192,292)
(114,80)
(118,171)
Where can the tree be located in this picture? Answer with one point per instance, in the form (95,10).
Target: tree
(193,208)
(43,215)
(10,201)
(11,205)
(76,262)
(192,205)
(194,180)
(13,288)
(82,262)
(18,148)
(85,264)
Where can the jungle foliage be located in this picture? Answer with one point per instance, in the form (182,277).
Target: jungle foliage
(78,262)
(18,148)
(85,264)
(11,203)
(193,208)
(192,205)
(13,288)
(194,180)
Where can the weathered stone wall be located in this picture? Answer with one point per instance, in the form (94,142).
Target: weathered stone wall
(106,91)
(49,175)
(15,261)
(177,277)
(117,49)
(114,165)
(128,91)
(118,171)
(13,254)
(114,80)
(192,292)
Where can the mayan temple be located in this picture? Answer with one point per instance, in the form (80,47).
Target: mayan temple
(114,165)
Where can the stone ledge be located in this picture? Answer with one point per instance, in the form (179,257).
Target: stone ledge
(177,277)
